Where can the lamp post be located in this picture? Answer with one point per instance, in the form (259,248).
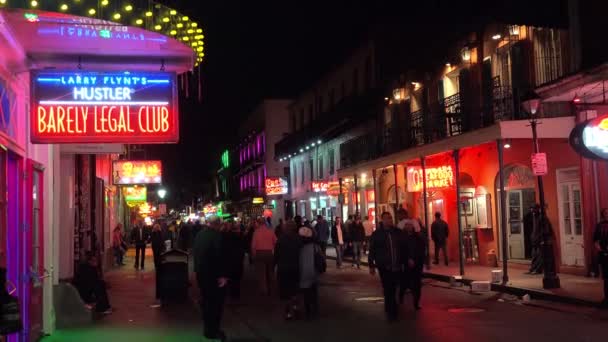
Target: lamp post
(531,103)
(161,193)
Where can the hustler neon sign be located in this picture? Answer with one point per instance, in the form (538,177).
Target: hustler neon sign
(103,107)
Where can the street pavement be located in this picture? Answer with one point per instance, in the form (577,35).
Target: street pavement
(351,310)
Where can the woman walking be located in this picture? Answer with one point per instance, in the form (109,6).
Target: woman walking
(308,272)
(337,237)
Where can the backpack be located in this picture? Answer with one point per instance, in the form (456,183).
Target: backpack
(320,262)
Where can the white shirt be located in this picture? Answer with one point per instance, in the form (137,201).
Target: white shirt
(369,227)
(414,223)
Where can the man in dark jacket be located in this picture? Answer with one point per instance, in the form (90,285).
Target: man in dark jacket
(212,276)
(140,237)
(389,254)
(412,275)
(439,233)
(322,232)
(357,237)
(600,239)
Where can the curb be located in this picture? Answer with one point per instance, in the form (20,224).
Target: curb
(517,291)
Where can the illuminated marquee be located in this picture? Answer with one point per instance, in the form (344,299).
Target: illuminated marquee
(128,172)
(103,107)
(135,194)
(276,186)
(320,186)
(436,178)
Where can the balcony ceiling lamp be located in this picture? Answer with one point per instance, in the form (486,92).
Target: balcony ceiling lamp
(576,99)
(497,36)
(318,142)
(301,150)
(514,30)
(313,144)
(465,53)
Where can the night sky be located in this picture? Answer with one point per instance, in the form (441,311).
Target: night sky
(262,49)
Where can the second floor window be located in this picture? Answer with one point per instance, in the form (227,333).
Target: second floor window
(312,169)
(321,173)
(332,166)
(295,174)
(303,173)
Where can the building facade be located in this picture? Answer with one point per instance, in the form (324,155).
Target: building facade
(255,163)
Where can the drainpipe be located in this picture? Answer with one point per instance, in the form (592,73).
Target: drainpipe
(356,195)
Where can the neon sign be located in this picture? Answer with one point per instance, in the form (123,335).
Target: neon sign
(108,107)
(436,178)
(590,138)
(127,172)
(320,186)
(135,194)
(276,186)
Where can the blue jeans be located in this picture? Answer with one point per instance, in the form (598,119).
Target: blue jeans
(356,253)
(339,254)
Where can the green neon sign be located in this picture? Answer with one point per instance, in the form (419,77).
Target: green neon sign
(225,159)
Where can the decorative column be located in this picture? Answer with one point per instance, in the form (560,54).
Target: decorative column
(426,211)
(456,155)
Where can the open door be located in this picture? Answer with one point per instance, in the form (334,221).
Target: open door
(34,254)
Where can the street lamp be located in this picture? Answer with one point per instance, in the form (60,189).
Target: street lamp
(531,102)
(162,193)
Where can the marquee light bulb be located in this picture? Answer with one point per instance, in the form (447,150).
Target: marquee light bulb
(2,2)
(139,21)
(186,38)
(158,27)
(165,19)
(200,48)
(63,7)
(104,3)
(173,32)
(148,14)
(180,25)
(34,3)
(185,19)
(128,8)
(173,12)
(194,24)
(92,11)
(117,16)
(199,30)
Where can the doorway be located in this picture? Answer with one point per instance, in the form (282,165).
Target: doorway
(518,203)
(34,253)
(570,217)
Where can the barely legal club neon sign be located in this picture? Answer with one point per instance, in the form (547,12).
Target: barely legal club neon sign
(96,107)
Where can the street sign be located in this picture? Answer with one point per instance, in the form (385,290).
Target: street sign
(268,206)
(539,164)
(162,209)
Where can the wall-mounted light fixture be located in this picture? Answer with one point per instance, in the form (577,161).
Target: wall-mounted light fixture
(465,53)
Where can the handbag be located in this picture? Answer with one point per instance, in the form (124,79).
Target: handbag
(320,262)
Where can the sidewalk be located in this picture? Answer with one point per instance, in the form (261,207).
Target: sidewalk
(574,289)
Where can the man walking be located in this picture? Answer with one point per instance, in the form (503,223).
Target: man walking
(139,237)
(322,232)
(357,238)
(600,238)
(439,234)
(212,277)
(389,254)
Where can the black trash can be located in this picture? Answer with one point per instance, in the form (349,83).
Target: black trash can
(174,280)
